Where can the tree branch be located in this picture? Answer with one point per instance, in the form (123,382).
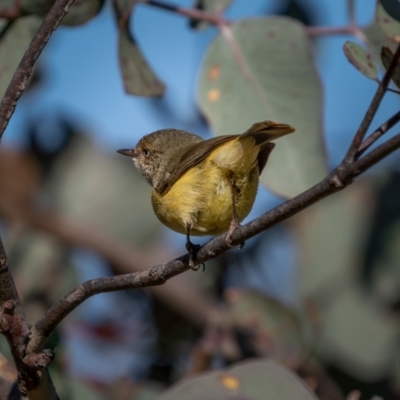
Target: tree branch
(351,12)
(215,19)
(369,115)
(181,295)
(18,83)
(15,328)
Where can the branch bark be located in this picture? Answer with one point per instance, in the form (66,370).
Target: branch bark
(32,374)
(33,378)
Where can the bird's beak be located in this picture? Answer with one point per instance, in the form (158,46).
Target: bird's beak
(128,152)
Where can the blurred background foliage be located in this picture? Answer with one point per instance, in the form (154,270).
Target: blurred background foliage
(316,299)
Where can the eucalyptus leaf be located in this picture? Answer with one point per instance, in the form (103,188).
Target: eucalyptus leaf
(359,337)
(361,59)
(376,40)
(390,26)
(138,77)
(251,380)
(263,70)
(387,57)
(330,236)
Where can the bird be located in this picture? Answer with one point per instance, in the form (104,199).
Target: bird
(204,187)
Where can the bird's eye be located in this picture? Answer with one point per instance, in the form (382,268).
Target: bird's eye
(146,152)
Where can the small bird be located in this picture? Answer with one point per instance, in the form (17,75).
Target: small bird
(204,187)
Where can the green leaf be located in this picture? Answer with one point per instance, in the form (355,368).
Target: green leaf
(389,26)
(138,77)
(251,380)
(359,337)
(209,6)
(387,57)
(330,236)
(361,59)
(376,39)
(263,70)
(13,46)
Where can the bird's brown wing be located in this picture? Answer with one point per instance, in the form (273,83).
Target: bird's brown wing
(194,156)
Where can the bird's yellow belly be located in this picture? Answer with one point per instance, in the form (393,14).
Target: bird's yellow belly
(202,200)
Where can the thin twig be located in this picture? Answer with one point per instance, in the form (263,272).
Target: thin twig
(158,275)
(369,115)
(25,67)
(215,19)
(351,12)
(218,20)
(371,139)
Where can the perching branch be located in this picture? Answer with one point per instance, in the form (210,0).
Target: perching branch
(336,181)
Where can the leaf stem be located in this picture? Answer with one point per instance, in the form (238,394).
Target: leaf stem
(215,19)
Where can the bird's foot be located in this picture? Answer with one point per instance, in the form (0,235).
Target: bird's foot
(192,250)
(228,239)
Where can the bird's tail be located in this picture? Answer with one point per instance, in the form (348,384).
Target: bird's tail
(266,131)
